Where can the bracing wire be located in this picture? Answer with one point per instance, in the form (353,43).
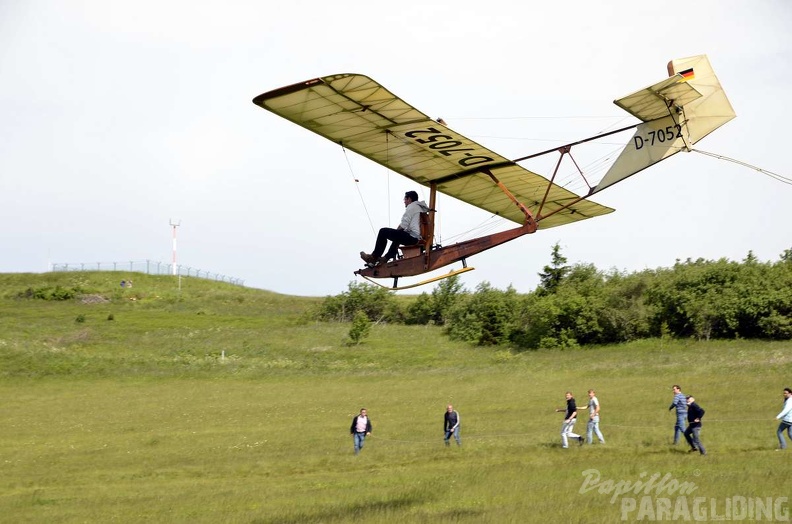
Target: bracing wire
(776,176)
(357,186)
(485,226)
(567,178)
(387,172)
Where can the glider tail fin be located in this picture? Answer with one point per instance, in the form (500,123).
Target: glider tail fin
(676,113)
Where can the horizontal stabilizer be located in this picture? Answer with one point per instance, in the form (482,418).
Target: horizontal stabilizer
(656,101)
(676,113)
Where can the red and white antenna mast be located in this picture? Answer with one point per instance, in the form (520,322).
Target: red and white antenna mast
(174,225)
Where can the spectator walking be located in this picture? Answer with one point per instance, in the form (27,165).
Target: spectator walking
(786,419)
(570,417)
(692,433)
(360,429)
(451,422)
(594,418)
(680,403)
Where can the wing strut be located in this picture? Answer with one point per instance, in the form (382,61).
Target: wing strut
(589,139)
(430,233)
(566,149)
(529,218)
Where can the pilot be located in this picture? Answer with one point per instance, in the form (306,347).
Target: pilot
(407,234)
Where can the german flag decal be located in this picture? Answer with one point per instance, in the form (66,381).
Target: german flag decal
(687,74)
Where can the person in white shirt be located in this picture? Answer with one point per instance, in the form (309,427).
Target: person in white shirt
(786,419)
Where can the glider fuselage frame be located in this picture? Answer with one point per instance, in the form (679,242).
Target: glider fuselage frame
(435,257)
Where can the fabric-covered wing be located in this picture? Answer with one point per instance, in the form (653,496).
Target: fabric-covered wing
(359,114)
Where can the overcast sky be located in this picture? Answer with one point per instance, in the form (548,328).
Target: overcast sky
(116,117)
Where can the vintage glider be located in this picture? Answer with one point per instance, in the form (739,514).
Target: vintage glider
(359,114)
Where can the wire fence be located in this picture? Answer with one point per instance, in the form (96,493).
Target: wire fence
(149,267)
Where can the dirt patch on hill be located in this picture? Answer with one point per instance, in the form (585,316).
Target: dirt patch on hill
(93,299)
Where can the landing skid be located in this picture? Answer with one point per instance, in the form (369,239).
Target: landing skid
(423,282)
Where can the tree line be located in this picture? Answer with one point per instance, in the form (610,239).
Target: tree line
(578,304)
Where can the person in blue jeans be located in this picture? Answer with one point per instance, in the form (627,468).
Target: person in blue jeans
(680,403)
(692,433)
(451,422)
(786,419)
(360,429)
(594,418)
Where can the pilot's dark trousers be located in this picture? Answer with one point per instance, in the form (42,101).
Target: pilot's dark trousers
(398,237)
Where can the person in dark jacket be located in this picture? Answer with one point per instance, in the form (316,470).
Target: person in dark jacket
(694,415)
(570,417)
(451,422)
(360,429)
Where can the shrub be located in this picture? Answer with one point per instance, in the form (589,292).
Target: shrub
(49,293)
(486,318)
(435,308)
(376,302)
(361,327)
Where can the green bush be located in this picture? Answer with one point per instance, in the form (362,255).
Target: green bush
(50,293)
(580,305)
(435,308)
(361,327)
(376,302)
(723,299)
(486,318)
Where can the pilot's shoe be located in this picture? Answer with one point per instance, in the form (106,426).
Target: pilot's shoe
(367,258)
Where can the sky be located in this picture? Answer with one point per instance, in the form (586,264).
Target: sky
(117,118)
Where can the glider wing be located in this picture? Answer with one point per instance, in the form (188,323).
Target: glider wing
(359,114)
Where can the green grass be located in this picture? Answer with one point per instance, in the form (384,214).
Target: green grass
(140,419)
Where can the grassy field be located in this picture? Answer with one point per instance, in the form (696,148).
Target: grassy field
(215,403)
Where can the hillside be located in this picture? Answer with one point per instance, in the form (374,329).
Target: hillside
(118,405)
(155,328)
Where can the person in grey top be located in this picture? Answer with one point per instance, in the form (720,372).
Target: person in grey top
(593,422)
(680,403)
(407,234)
